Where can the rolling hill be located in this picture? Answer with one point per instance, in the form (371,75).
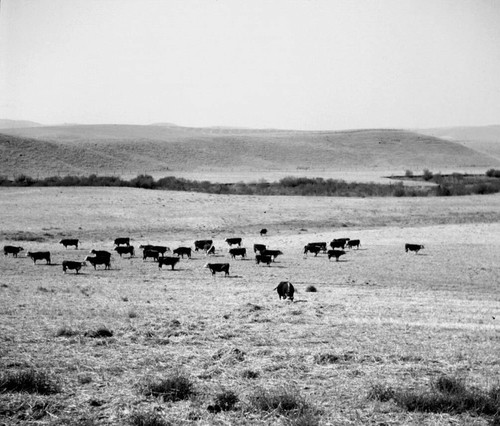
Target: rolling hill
(128,150)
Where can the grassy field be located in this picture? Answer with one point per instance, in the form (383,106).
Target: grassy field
(380,318)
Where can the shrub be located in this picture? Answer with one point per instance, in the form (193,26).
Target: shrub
(143,181)
(250,374)
(226,400)
(282,400)
(408,173)
(175,388)
(31,381)
(427,174)
(147,419)
(100,332)
(311,289)
(23,180)
(66,331)
(493,173)
(381,392)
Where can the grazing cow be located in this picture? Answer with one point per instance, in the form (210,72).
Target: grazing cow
(260,258)
(232,241)
(285,289)
(101,253)
(125,250)
(210,250)
(69,242)
(181,251)
(39,255)
(150,253)
(321,245)
(69,264)
(218,267)
(272,253)
(259,248)
(168,261)
(336,254)
(241,251)
(160,249)
(353,243)
(413,247)
(263,231)
(200,244)
(339,242)
(123,240)
(312,249)
(96,260)
(12,250)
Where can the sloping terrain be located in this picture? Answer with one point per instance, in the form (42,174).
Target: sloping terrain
(127,150)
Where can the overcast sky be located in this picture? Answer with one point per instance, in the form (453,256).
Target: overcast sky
(332,64)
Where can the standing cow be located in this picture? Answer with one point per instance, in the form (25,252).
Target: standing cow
(218,267)
(123,240)
(285,289)
(69,242)
(39,255)
(13,250)
(413,247)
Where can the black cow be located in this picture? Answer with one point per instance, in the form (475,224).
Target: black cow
(241,251)
(218,267)
(181,251)
(339,242)
(259,248)
(260,258)
(232,241)
(160,249)
(168,261)
(413,247)
(285,289)
(321,245)
(125,250)
(12,250)
(97,260)
(69,264)
(272,253)
(200,244)
(353,243)
(336,254)
(123,240)
(101,253)
(150,253)
(312,248)
(263,231)
(210,250)
(69,242)
(39,255)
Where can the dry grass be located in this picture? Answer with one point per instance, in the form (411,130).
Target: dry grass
(382,316)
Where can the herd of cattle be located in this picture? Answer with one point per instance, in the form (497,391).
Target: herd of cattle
(263,254)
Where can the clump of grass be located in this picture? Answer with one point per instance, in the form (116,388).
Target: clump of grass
(132,314)
(147,419)
(282,400)
(250,374)
(226,400)
(332,358)
(100,332)
(66,331)
(311,289)
(84,379)
(175,388)
(381,392)
(31,381)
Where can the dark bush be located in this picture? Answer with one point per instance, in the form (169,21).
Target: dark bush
(282,400)
(408,173)
(23,180)
(493,173)
(31,381)
(175,388)
(147,419)
(143,181)
(381,392)
(225,401)
(311,289)
(427,175)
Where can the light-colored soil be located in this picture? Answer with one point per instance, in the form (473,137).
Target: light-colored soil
(392,317)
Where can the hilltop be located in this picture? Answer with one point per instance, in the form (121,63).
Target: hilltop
(236,154)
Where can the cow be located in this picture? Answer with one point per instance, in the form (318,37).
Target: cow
(413,247)
(123,240)
(168,261)
(125,250)
(181,251)
(272,253)
(39,255)
(240,251)
(210,250)
(69,264)
(218,267)
(285,289)
(97,260)
(12,250)
(321,245)
(200,244)
(101,253)
(312,248)
(232,241)
(69,242)
(339,243)
(353,243)
(263,232)
(260,258)
(259,248)
(150,253)
(336,254)
(160,249)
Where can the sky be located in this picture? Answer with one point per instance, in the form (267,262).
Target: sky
(294,64)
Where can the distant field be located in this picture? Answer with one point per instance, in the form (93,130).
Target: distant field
(380,316)
(230,155)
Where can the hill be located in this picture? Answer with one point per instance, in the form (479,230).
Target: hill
(15,124)
(239,154)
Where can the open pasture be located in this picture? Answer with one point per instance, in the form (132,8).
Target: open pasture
(380,316)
